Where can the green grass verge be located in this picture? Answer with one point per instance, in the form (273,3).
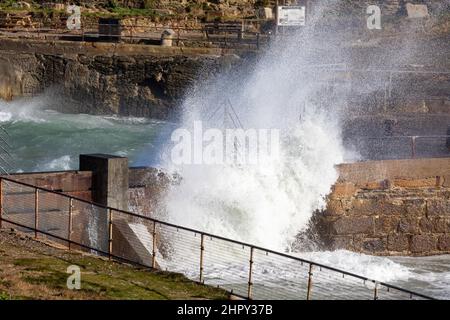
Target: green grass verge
(113,280)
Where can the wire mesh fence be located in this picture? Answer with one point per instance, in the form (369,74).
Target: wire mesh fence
(246,271)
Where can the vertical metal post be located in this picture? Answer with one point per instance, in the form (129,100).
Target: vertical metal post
(36,212)
(375,291)
(250,275)
(390,85)
(69,230)
(110,232)
(257,41)
(1,201)
(413,147)
(310,275)
(154,245)
(385,98)
(202,251)
(276,17)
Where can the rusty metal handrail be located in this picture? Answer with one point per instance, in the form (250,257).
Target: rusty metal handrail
(156,221)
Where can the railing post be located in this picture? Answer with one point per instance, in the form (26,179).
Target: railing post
(36,212)
(110,233)
(69,230)
(1,202)
(154,245)
(202,251)
(413,147)
(375,291)
(250,275)
(310,275)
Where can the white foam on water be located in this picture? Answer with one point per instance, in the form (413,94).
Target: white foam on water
(60,164)
(381,269)
(5,116)
(266,204)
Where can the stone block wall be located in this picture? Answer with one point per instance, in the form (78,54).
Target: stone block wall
(378,208)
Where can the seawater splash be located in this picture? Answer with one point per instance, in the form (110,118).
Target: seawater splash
(379,268)
(266,204)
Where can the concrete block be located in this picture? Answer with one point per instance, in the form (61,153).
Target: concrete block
(132,241)
(109,179)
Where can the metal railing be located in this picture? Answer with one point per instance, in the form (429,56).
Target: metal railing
(245,270)
(183,36)
(403,147)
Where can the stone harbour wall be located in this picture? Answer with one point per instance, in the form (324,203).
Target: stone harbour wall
(396,207)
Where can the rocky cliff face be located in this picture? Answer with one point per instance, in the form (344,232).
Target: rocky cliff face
(137,84)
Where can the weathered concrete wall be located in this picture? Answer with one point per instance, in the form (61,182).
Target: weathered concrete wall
(74,183)
(398,207)
(109,179)
(146,185)
(147,188)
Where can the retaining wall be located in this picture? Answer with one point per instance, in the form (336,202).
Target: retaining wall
(395,207)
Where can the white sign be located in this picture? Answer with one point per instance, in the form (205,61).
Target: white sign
(74,21)
(291,16)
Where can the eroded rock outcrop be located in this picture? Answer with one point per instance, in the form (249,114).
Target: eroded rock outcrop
(137,84)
